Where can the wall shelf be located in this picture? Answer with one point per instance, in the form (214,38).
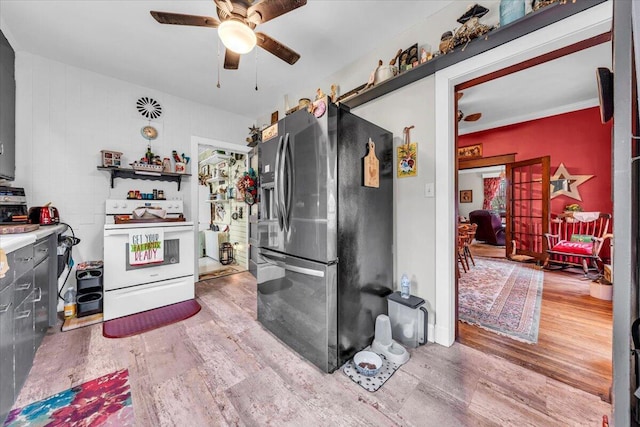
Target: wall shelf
(521,27)
(152,176)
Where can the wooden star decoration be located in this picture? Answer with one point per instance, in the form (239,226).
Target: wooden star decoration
(254,130)
(563,183)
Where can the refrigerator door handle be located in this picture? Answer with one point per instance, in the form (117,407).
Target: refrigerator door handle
(277,178)
(286,197)
(278,262)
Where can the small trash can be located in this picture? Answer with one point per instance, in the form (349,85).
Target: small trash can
(409,319)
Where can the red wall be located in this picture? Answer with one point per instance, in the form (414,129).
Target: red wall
(577,139)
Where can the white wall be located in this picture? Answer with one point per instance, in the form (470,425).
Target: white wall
(66,115)
(414,231)
(471,181)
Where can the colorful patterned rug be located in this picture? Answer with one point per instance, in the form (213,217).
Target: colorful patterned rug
(105,401)
(503,297)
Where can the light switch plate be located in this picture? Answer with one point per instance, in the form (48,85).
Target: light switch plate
(429,190)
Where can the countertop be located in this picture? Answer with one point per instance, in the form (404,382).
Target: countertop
(11,242)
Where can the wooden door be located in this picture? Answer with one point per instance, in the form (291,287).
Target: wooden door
(528,207)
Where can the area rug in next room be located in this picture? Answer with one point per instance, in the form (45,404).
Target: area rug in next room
(151,319)
(503,297)
(105,401)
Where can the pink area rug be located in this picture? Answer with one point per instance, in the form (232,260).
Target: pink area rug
(148,320)
(503,297)
(105,401)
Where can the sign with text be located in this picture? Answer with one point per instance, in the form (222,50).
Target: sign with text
(146,246)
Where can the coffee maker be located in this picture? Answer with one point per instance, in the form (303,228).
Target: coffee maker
(13,205)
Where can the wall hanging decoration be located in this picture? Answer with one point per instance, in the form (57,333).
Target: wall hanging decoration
(470,152)
(564,183)
(149,108)
(248,187)
(466,196)
(371,167)
(407,156)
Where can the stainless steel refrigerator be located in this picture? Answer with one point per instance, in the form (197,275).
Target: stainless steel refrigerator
(325,257)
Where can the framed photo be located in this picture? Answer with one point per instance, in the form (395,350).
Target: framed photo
(470,152)
(466,196)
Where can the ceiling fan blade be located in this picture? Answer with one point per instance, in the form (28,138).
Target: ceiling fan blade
(231,60)
(180,19)
(278,49)
(269,9)
(473,117)
(224,5)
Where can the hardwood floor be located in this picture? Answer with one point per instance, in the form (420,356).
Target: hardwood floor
(221,367)
(574,340)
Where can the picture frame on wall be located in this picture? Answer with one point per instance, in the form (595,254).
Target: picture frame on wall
(470,152)
(466,196)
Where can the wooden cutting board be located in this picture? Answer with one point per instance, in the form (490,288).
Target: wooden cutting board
(371,167)
(18,228)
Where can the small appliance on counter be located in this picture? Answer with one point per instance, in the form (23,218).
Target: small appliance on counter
(44,215)
(13,205)
(408,319)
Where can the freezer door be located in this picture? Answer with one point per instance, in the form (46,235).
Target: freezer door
(297,303)
(298,205)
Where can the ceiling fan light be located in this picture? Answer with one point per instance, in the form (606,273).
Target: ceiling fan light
(237,36)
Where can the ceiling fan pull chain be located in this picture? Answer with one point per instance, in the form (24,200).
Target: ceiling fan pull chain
(218,85)
(256,68)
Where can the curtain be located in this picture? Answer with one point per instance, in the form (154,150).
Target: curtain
(491,186)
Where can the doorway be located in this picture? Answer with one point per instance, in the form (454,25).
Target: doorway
(573,358)
(222,242)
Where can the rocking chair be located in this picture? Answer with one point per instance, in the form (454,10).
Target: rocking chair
(576,240)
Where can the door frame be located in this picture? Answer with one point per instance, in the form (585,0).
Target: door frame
(193,185)
(582,26)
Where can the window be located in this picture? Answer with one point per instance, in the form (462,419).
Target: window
(499,201)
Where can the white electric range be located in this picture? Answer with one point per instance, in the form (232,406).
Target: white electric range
(148,263)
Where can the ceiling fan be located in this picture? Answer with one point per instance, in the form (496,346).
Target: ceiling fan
(238,19)
(467,118)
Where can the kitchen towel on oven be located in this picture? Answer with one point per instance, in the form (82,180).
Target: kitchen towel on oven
(146,246)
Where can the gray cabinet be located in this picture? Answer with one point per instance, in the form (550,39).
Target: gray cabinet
(28,298)
(24,316)
(7,388)
(45,276)
(7,110)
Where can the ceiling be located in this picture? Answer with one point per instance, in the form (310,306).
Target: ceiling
(555,87)
(119,38)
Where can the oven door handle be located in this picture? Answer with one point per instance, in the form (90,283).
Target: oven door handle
(167,230)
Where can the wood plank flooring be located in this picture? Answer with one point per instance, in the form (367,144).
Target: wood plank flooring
(574,340)
(221,367)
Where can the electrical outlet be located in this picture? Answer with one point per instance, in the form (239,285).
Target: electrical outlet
(429,190)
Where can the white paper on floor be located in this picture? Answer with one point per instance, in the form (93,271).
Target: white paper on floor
(374,382)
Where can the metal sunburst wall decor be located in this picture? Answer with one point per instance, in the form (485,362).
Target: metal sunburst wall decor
(149,108)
